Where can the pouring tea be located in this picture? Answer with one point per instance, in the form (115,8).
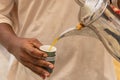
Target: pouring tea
(102,20)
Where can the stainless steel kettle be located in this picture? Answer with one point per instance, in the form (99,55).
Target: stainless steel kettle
(102,20)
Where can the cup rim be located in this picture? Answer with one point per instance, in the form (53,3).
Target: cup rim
(46,48)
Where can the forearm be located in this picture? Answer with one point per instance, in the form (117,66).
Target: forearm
(7,35)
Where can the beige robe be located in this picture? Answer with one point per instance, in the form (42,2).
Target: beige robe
(77,57)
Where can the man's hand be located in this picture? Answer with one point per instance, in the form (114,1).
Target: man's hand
(26,50)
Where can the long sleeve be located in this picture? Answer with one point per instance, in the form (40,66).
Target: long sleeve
(5,9)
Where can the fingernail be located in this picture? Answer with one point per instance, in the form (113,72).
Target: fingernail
(45,55)
(46,74)
(51,66)
(42,77)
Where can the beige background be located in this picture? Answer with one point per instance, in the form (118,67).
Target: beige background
(3,67)
(4,64)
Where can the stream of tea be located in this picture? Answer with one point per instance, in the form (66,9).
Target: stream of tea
(53,43)
(79,27)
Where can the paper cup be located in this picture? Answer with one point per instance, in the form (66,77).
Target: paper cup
(50,53)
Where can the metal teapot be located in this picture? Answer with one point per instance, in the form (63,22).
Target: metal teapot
(102,20)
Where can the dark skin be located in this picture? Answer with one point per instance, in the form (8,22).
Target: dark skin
(26,50)
(118,3)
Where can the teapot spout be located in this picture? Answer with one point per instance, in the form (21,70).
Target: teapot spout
(83,31)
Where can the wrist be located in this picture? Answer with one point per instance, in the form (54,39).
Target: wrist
(7,35)
(9,45)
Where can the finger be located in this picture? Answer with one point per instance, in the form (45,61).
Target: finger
(25,57)
(39,62)
(38,70)
(36,43)
(37,53)
(44,63)
(34,52)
